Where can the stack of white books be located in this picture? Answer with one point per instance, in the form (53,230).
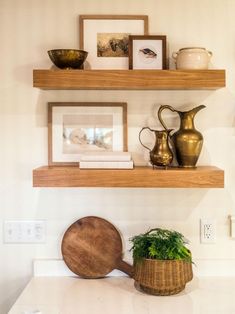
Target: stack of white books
(106,160)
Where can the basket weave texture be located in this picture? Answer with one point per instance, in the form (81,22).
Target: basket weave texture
(162,277)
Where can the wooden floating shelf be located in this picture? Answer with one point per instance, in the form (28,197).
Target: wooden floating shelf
(129,79)
(139,177)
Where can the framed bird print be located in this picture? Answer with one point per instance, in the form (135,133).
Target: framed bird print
(147,52)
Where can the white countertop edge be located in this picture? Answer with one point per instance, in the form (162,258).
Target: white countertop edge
(58,268)
(201,268)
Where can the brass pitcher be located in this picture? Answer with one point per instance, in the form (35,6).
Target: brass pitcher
(161,154)
(187,140)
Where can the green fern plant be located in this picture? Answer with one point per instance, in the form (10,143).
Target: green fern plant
(160,244)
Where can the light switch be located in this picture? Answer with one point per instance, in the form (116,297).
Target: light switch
(24,231)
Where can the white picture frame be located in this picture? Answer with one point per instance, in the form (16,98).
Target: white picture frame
(99,30)
(75,128)
(147,52)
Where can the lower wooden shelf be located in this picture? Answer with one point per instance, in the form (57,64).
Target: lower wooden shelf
(139,177)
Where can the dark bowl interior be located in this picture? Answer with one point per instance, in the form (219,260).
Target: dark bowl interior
(68,58)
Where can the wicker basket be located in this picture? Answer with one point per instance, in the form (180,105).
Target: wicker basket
(162,277)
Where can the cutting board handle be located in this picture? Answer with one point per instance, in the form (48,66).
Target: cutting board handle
(126,268)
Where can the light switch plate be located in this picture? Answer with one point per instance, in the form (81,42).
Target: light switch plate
(24,231)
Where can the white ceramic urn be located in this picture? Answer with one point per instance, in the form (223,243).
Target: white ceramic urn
(192,58)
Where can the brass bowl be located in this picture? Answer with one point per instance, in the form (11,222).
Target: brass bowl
(68,58)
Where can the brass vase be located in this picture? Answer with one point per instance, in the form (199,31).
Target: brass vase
(187,140)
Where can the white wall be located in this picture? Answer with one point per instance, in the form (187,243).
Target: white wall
(28,28)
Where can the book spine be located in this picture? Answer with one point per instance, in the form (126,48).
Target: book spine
(107,158)
(106,164)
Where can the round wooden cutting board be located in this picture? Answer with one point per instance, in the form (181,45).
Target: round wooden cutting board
(92,248)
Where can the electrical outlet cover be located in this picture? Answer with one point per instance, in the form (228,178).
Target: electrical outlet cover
(208,230)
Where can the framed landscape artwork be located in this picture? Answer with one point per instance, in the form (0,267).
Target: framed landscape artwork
(106,38)
(147,52)
(75,128)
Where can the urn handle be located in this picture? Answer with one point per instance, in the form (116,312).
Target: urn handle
(175,55)
(210,53)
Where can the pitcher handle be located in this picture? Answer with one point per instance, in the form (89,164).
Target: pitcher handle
(146,127)
(162,107)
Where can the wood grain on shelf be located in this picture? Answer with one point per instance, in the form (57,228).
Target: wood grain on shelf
(129,79)
(144,177)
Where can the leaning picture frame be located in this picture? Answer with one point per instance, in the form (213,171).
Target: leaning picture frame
(147,52)
(75,128)
(105,38)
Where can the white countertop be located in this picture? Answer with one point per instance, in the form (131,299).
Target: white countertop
(117,295)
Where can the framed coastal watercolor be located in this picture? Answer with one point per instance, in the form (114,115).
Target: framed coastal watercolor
(147,52)
(106,38)
(75,128)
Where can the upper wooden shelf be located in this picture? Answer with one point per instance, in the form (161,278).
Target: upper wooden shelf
(129,79)
(139,177)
